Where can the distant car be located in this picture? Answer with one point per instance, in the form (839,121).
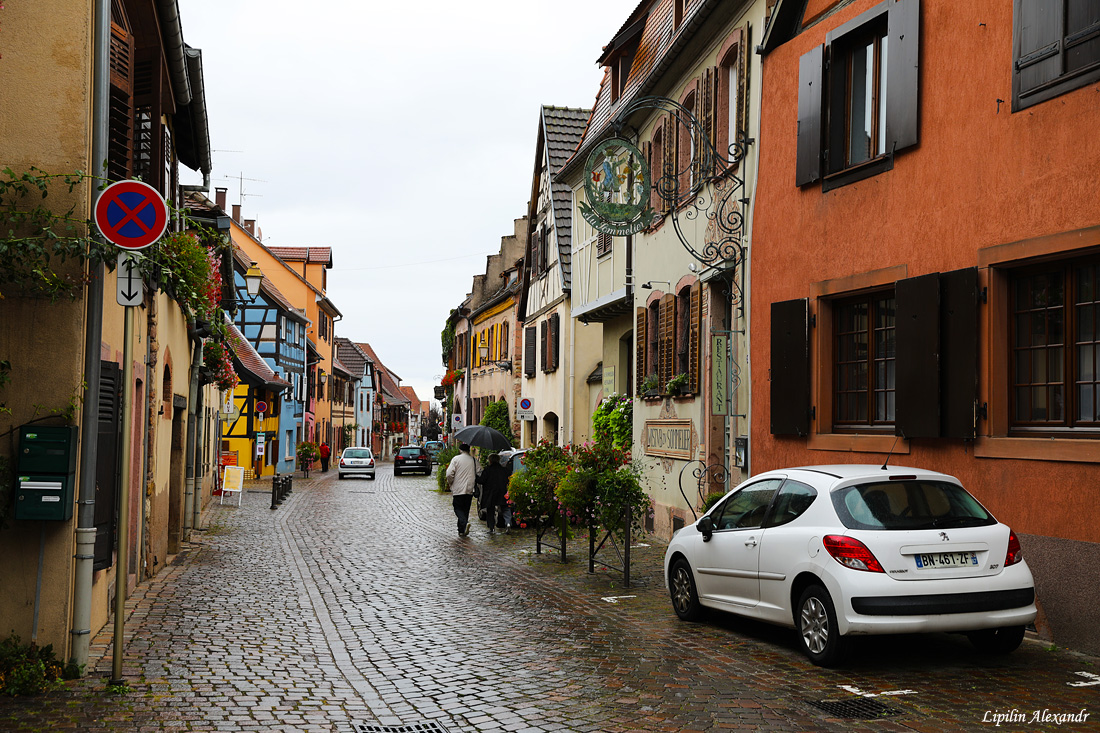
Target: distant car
(434,448)
(512,460)
(836,551)
(412,458)
(356,462)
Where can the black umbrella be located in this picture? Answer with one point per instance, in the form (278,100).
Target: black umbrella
(482,436)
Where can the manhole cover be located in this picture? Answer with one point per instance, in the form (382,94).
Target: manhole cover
(860,708)
(431,727)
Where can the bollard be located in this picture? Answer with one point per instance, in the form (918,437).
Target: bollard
(274,492)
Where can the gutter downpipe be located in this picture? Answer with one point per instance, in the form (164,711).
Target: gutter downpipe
(93,336)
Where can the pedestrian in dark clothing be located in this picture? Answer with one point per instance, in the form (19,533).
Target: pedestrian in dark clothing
(325,453)
(494,484)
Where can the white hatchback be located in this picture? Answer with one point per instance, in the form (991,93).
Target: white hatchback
(836,551)
(356,462)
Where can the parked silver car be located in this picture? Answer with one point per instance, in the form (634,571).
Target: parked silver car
(356,462)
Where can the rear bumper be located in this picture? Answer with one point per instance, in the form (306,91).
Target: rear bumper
(1000,600)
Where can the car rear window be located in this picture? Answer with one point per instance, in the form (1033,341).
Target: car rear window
(908,505)
(356,453)
(410,452)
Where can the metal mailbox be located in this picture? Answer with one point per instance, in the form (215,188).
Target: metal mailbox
(46,473)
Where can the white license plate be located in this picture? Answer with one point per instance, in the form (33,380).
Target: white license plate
(947,560)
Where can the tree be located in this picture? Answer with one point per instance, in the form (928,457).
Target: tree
(496,417)
(431,429)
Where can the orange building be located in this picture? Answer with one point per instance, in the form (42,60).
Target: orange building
(926,261)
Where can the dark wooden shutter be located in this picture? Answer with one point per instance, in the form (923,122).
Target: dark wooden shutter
(1082,42)
(666,339)
(1038,37)
(668,163)
(529,345)
(917,361)
(695,324)
(959,351)
(107,468)
(810,82)
(708,114)
(120,102)
(543,340)
(902,86)
(790,368)
(639,349)
(555,340)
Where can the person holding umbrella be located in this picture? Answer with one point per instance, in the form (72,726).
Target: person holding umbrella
(494,483)
(461,477)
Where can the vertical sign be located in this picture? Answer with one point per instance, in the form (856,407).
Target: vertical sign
(719,386)
(131,288)
(608,381)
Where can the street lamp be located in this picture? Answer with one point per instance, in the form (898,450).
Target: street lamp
(253,278)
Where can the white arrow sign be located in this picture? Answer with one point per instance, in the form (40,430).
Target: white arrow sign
(131,288)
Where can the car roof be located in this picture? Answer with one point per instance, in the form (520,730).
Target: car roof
(357,447)
(849,472)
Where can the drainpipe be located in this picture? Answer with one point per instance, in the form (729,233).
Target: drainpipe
(200,469)
(93,336)
(192,400)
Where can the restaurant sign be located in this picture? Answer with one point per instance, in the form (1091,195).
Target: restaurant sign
(617,186)
(669,439)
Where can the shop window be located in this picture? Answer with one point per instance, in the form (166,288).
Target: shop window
(858,96)
(1055,48)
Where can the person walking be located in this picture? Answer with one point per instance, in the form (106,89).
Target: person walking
(494,484)
(461,478)
(325,453)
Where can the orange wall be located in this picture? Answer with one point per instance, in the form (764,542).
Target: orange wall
(980,176)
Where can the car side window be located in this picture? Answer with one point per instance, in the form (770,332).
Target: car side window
(746,508)
(794,498)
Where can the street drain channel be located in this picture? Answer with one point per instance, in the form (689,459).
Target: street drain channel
(430,727)
(858,709)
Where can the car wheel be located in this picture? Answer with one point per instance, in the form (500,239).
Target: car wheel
(371,477)
(340,476)
(815,620)
(681,586)
(997,641)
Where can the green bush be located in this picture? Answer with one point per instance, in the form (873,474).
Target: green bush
(532,492)
(28,669)
(444,459)
(613,420)
(711,500)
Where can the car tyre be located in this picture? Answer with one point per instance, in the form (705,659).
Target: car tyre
(818,632)
(340,476)
(997,641)
(371,477)
(681,587)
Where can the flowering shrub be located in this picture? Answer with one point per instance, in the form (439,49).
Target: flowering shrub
(531,492)
(613,420)
(308,453)
(218,358)
(578,490)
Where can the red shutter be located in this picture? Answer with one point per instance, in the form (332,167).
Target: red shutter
(695,322)
(639,350)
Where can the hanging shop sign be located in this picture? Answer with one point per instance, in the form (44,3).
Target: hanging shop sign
(617,186)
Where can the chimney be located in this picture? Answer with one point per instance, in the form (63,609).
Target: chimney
(237,212)
(250,225)
(219,197)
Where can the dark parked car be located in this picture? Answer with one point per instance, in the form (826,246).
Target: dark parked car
(412,458)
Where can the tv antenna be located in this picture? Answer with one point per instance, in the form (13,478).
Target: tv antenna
(240,185)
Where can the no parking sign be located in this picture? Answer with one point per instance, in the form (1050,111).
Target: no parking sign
(131,214)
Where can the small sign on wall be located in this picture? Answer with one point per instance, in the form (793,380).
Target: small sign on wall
(608,381)
(668,439)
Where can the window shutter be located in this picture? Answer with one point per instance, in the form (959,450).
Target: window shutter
(810,82)
(917,383)
(544,328)
(959,350)
(603,244)
(790,368)
(1038,37)
(666,339)
(505,347)
(903,61)
(708,106)
(120,103)
(639,349)
(695,323)
(555,340)
(668,162)
(107,475)
(529,346)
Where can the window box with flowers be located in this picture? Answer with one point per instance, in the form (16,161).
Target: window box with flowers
(217,358)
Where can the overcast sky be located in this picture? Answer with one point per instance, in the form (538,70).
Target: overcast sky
(402,135)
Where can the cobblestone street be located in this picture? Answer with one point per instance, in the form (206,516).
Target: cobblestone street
(356,606)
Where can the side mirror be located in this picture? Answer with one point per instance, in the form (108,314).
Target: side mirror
(706,528)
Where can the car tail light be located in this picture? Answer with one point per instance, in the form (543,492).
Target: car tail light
(342,462)
(1014,555)
(371,462)
(852,553)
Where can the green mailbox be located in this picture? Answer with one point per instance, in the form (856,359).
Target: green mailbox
(45,473)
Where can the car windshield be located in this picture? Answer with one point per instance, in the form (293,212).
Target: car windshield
(354,453)
(909,505)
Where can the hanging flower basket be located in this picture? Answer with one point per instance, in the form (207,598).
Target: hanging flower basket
(218,359)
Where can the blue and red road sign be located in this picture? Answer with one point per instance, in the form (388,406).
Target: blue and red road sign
(131,214)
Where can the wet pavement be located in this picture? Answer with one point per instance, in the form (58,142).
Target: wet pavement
(356,607)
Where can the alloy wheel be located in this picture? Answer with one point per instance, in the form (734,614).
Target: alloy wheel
(815,625)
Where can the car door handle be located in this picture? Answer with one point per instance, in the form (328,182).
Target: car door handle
(750,542)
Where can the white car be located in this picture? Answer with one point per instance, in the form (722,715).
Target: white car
(356,462)
(835,551)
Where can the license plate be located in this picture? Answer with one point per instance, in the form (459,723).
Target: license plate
(947,560)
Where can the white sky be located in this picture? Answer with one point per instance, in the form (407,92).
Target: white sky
(401,134)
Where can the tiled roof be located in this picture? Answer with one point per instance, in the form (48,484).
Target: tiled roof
(386,382)
(563,128)
(304,254)
(338,365)
(267,287)
(411,394)
(352,356)
(251,367)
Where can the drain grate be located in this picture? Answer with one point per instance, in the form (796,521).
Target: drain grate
(858,709)
(430,727)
